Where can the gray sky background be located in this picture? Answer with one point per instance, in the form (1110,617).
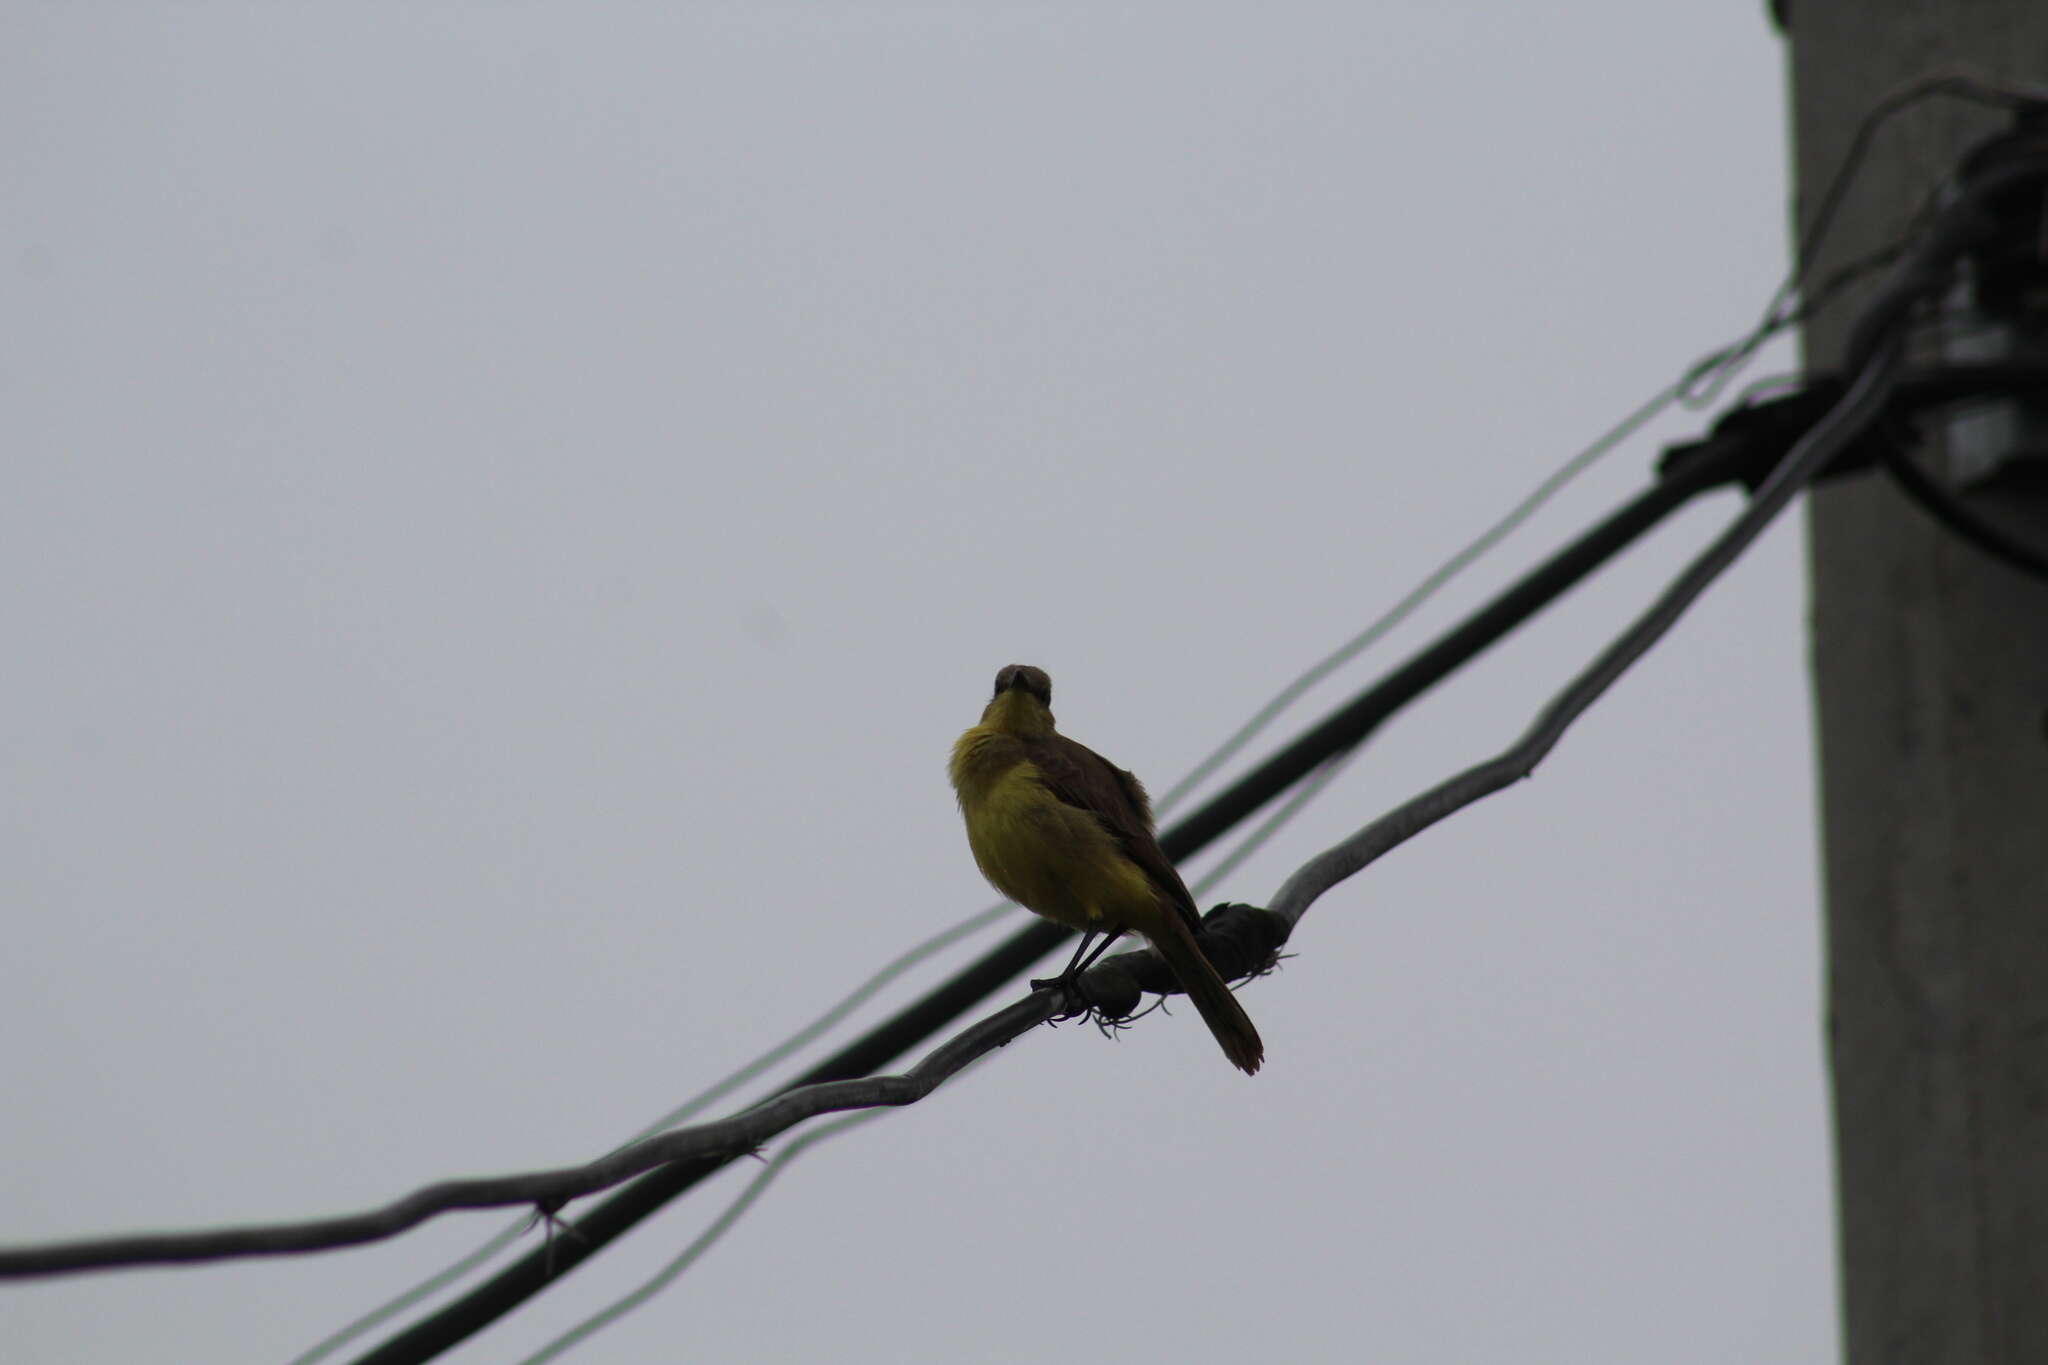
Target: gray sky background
(506,508)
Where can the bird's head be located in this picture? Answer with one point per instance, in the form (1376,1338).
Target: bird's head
(1022,700)
(1032,682)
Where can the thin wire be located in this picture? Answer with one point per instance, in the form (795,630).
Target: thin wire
(425,1289)
(1306,792)
(896,967)
(725,1222)
(703,1242)
(1309,789)
(1303,794)
(1957,81)
(618,1308)
(1790,305)
(1419,594)
(1707,380)
(1875,345)
(860,995)
(697,1103)
(1842,424)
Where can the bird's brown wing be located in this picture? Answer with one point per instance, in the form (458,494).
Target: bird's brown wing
(1082,778)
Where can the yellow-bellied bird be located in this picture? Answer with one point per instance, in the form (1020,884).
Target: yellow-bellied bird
(1062,831)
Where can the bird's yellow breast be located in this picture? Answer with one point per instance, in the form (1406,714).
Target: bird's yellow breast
(1036,849)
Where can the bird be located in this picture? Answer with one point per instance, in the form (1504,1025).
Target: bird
(1062,831)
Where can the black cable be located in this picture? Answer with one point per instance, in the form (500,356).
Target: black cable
(1354,721)
(1945,507)
(1343,729)
(1751,440)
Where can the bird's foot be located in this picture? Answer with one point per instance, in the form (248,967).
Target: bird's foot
(1067,986)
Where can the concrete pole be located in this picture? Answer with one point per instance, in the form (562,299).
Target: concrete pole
(1931,682)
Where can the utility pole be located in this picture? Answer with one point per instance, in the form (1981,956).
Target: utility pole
(1931,681)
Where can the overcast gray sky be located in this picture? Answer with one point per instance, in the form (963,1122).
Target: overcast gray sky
(506,508)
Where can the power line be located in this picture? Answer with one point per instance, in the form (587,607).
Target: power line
(1875,349)
(1374,631)
(936,943)
(1852,414)
(1783,313)
(1344,729)
(1351,723)
(1843,424)
(1562,711)
(1412,600)
(1348,727)
(703,1242)
(1865,398)
(710,1145)
(696,1104)
(724,1223)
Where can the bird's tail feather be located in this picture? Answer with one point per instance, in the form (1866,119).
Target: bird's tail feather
(1213,999)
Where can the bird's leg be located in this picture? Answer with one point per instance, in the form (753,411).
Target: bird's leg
(1108,942)
(1066,978)
(1079,963)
